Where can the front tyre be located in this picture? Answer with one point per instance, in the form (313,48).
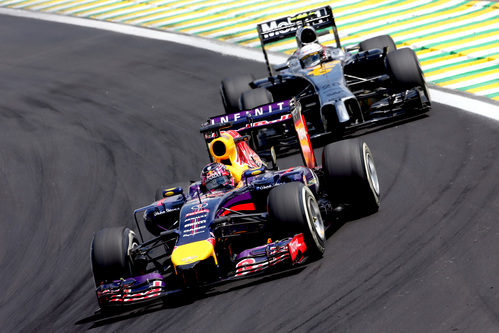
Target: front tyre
(251,99)
(405,70)
(231,89)
(110,254)
(351,175)
(378,42)
(293,207)
(256,97)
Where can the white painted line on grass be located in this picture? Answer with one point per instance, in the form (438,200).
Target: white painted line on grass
(465,103)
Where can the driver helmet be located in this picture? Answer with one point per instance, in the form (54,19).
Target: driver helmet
(216,176)
(306,35)
(310,55)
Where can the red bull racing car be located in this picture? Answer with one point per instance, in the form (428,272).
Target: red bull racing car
(243,218)
(340,90)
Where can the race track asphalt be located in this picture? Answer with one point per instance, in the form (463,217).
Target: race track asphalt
(91,122)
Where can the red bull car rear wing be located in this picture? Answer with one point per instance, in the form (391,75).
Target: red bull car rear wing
(261,116)
(272,115)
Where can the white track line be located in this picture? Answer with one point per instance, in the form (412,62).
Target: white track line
(484,108)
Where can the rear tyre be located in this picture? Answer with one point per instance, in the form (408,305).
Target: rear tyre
(253,98)
(405,71)
(293,207)
(110,254)
(231,89)
(351,175)
(378,42)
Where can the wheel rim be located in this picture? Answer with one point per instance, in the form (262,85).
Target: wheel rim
(372,173)
(316,222)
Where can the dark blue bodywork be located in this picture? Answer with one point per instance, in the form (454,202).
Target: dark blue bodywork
(252,190)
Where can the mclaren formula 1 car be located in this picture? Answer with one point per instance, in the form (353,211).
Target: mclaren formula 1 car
(267,220)
(340,90)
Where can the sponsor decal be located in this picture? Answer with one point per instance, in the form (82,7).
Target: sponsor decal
(248,265)
(277,27)
(196,229)
(274,253)
(269,122)
(212,174)
(197,212)
(200,206)
(130,295)
(165,211)
(277,259)
(189,259)
(297,246)
(288,25)
(260,111)
(323,68)
(198,209)
(195,222)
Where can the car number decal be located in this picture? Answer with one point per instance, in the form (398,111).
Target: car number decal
(323,69)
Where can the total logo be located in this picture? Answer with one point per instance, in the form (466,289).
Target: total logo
(189,259)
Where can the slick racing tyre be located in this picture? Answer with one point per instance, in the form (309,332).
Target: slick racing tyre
(378,42)
(253,98)
(405,71)
(110,254)
(231,89)
(293,207)
(351,175)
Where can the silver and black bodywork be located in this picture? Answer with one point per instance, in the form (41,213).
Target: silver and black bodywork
(349,90)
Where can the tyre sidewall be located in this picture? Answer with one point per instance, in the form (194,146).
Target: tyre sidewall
(404,69)
(110,254)
(231,89)
(251,99)
(351,174)
(378,42)
(288,212)
(370,176)
(315,237)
